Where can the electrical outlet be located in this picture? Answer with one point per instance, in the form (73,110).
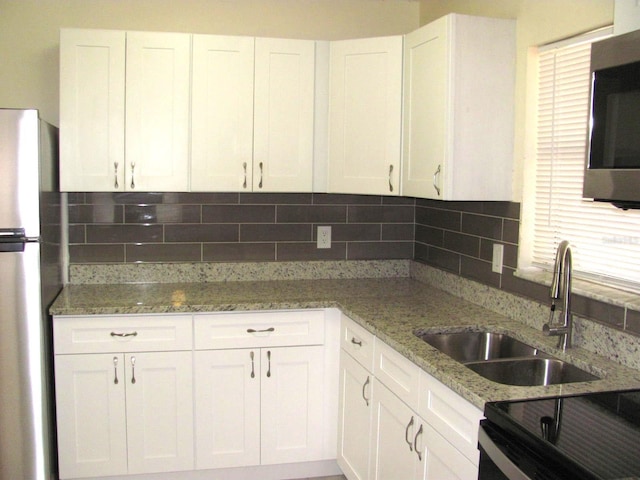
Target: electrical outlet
(324,237)
(498,254)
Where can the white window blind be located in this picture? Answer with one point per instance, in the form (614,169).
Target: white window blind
(605,240)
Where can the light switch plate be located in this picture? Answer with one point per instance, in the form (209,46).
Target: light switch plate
(498,254)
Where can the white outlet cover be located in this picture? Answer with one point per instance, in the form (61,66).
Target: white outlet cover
(324,237)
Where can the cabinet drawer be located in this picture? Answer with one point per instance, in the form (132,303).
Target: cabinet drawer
(121,333)
(397,373)
(357,341)
(452,416)
(259,329)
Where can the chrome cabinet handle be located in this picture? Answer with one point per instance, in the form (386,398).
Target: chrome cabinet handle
(406,434)
(115,167)
(133,371)
(133,184)
(115,370)
(415,443)
(244,166)
(252,330)
(269,364)
(356,342)
(435,180)
(253,370)
(364,387)
(122,335)
(260,184)
(390,172)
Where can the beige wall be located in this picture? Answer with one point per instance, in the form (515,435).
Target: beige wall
(29,30)
(538,22)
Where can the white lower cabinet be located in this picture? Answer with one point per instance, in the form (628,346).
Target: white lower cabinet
(124,413)
(259,406)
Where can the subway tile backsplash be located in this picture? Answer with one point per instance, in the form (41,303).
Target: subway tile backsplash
(236,227)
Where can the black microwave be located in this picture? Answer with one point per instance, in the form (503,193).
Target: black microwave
(612,171)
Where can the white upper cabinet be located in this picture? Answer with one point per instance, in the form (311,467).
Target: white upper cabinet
(157,111)
(92,75)
(252,114)
(459,77)
(124,110)
(365,105)
(222,113)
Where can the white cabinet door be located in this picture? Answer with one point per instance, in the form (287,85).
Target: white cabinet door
(222,113)
(365,104)
(227,399)
(458,109)
(355,418)
(90,401)
(92,102)
(396,431)
(291,408)
(157,111)
(441,460)
(159,411)
(284,115)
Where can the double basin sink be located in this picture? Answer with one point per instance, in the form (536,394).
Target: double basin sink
(504,359)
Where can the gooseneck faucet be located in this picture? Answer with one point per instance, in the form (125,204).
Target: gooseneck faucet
(561,289)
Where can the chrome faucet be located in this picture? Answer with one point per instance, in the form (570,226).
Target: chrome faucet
(561,285)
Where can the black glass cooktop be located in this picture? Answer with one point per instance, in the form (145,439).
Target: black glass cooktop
(599,433)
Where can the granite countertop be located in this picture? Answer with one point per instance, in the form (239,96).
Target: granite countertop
(391,308)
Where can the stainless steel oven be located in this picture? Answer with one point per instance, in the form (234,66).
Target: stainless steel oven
(585,437)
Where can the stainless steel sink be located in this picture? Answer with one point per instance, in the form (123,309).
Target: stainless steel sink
(504,359)
(531,371)
(471,346)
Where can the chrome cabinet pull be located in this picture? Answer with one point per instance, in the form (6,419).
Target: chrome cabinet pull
(133,184)
(415,443)
(115,167)
(435,180)
(244,166)
(260,184)
(364,387)
(122,335)
(253,370)
(390,172)
(115,370)
(252,330)
(269,364)
(356,342)
(133,371)
(406,434)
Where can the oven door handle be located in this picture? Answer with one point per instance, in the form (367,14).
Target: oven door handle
(504,464)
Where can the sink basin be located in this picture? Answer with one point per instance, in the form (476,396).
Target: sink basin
(531,371)
(472,346)
(503,359)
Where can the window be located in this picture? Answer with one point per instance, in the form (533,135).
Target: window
(605,240)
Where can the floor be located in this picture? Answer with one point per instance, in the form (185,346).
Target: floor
(333,477)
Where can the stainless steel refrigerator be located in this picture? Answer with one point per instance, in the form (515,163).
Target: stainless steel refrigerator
(31,276)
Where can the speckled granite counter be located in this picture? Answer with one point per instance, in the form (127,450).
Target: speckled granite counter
(391,308)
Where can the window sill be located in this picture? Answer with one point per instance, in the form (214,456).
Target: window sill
(588,289)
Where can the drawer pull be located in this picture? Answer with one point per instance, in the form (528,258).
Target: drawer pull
(266,330)
(406,434)
(115,370)
(122,335)
(356,342)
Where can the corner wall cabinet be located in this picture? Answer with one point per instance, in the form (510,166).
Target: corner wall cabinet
(365,115)
(401,420)
(459,80)
(124,110)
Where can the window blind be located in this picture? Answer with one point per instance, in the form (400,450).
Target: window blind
(605,240)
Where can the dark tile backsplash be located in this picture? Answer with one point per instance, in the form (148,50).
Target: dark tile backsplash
(260,227)
(236,227)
